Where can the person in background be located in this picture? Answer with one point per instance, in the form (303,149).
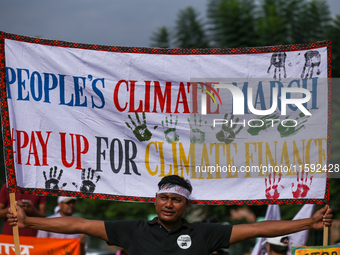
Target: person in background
(35,206)
(66,207)
(277,245)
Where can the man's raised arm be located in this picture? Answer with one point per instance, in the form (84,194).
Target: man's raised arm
(278,228)
(66,225)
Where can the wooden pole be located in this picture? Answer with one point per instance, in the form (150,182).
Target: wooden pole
(325,233)
(15,229)
(325,236)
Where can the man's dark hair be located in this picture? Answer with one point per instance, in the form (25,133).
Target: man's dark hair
(279,249)
(172,180)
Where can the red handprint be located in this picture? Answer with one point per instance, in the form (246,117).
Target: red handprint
(302,186)
(272,189)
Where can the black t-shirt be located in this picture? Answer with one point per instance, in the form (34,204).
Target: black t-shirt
(149,237)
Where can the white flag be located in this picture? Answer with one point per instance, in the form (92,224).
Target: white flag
(296,239)
(300,238)
(273,213)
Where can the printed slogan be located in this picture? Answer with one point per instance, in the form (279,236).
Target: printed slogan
(111,123)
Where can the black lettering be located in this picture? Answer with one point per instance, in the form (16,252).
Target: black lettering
(99,152)
(129,159)
(112,156)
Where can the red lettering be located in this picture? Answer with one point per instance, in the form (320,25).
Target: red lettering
(63,150)
(43,145)
(162,98)
(182,94)
(132,99)
(79,151)
(194,97)
(115,95)
(79,139)
(147,96)
(23,139)
(19,145)
(33,146)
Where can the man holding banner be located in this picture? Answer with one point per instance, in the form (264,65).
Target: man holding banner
(169,233)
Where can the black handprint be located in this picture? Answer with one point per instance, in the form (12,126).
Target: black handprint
(228,132)
(87,185)
(53,181)
(278,60)
(141,131)
(312,60)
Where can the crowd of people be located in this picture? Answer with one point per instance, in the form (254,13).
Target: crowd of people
(169,232)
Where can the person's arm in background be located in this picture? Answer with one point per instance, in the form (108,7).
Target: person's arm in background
(66,225)
(26,204)
(3,211)
(3,202)
(31,210)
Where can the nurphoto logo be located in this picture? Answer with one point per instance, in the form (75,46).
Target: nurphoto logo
(239,98)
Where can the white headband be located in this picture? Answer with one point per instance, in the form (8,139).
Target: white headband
(174,189)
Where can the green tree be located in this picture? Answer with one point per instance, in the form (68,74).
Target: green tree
(334,36)
(292,19)
(161,38)
(271,24)
(114,210)
(189,30)
(314,21)
(231,23)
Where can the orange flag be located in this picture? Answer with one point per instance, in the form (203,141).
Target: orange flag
(37,246)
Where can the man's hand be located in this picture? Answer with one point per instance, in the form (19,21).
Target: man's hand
(26,205)
(322,217)
(17,219)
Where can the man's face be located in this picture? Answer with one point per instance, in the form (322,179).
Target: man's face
(170,208)
(67,209)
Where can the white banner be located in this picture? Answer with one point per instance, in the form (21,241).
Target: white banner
(115,123)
